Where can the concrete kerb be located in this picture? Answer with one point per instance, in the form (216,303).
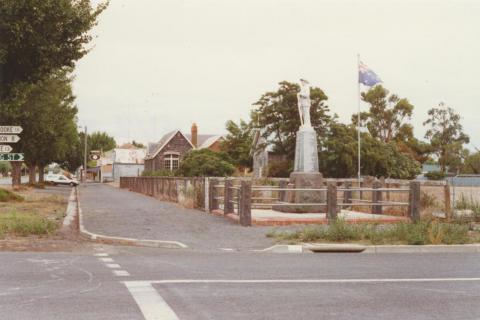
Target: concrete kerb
(71,210)
(121,240)
(357,248)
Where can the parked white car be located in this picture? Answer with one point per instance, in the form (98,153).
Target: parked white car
(60,179)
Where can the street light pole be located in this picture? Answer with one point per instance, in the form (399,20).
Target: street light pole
(84,176)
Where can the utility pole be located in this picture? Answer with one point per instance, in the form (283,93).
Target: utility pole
(84,176)
(359,174)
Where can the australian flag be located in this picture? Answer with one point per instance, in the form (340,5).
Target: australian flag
(366,76)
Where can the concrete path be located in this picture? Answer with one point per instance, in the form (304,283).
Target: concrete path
(262,217)
(120,213)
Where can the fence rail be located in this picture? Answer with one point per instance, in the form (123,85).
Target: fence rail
(239,196)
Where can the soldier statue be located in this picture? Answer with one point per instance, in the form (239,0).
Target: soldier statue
(304,103)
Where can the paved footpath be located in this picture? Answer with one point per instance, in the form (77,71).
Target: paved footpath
(121,213)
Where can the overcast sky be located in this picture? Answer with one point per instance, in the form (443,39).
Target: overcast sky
(160,65)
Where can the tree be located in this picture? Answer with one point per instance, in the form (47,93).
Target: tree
(277,116)
(38,38)
(387,115)
(47,113)
(204,162)
(338,155)
(100,141)
(472,163)
(446,136)
(41,36)
(238,142)
(338,151)
(74,157)
(385,159)
(138,144)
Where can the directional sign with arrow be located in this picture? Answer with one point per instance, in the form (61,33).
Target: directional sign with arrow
(9,138)
(12,156)
(11,129)
(5,148)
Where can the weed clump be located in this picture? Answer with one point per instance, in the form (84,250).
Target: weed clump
(24,224)
(420,233)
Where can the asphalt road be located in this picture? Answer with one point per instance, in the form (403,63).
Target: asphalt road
(147,283)
(203,282)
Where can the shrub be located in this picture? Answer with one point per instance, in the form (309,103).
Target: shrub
(435,175)
(204,162)
(469,204)
(6,196)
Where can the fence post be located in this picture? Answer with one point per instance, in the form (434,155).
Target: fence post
(448,203)
(331,202)
(282,194)
(377,197)
(227,198)
(245,208)
(414,201)
(347,194)
(212,194)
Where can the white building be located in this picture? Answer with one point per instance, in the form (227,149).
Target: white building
(122,162)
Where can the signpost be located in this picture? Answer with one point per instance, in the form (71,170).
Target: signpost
(8,134)
(12,156)
(5,148)
(9,138)
(11,129)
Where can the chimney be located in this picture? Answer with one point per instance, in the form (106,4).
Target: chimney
(194,134)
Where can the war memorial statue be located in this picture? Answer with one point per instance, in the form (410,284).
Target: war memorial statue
(305,174)
(306,154)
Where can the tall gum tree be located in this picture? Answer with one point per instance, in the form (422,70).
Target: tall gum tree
(446,136)
(54,32)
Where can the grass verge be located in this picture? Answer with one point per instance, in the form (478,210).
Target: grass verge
(423,232)
(30,213)
(24,224)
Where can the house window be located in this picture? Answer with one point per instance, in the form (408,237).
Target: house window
(170,162)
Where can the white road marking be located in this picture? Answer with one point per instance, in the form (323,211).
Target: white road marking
(101,254)
(113,265)
(226,249)
(253,281)
(121,273)
(106,259)
(149,301)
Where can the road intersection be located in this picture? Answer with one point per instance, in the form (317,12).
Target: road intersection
(102,281)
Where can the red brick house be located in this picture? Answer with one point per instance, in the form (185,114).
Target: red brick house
(168,152)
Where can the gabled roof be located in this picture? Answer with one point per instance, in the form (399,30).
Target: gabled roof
(163,142)
(205,140)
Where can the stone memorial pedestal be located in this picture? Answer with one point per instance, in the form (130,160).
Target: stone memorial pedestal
(306,153)
(300,200)
(305,176)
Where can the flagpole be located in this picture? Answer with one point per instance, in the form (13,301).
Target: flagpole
(358,117)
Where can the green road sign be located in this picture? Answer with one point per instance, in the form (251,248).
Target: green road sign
(12,156)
